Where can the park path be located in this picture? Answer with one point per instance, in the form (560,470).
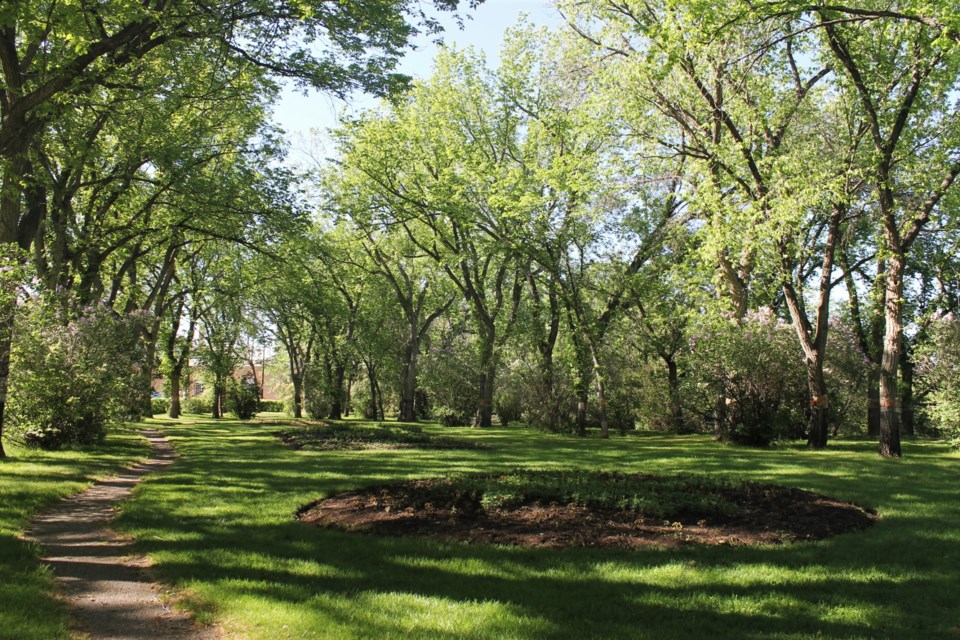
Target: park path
(108,591)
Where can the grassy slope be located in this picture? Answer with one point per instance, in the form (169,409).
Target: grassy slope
(29,481)
(220,523)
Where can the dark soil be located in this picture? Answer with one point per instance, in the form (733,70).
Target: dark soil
(321,436)
(765,514)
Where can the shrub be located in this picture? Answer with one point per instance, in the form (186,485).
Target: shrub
(448,377)
(450,417)
(159,405)
(72,379)
(198,404)
(272,406)
(751,379)
(243,398)
(938,365)
(847,372)
(316,398)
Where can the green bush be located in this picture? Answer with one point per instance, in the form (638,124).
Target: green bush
(450,417)
(73,377)
(938,361)
(159,405)
(316,397)
(272,406)
(750,378)
(448,376)
(198,404)
(243,398)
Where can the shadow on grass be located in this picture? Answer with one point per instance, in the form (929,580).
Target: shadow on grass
(221,521)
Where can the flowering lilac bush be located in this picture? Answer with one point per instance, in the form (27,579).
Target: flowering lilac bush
(71,379)
(750,379)
(847,371)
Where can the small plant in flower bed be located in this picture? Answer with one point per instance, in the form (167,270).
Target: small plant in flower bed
(339,436)
(673,497)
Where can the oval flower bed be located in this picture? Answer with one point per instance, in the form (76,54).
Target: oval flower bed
(580,508)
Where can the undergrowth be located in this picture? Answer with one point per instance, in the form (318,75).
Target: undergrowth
(339,436)
(646,495)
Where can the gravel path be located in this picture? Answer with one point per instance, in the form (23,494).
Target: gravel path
(109,593)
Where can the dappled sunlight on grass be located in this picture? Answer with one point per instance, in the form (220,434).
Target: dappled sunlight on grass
(29,481)
(221,523)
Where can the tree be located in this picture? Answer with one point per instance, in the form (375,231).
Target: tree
(906,81)
(439,167)
(54,53)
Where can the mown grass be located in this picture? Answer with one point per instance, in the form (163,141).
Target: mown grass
(29,481)
(220,525)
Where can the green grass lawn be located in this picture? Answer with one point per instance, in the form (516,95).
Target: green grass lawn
(29,481)
(219,525)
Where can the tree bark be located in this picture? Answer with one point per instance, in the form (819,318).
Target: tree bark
(890,361)
(598,375)
(484,417)
(174,409)
(873,402)
(297,398)
(546,331)
(337,391)
(819,406)
(218,392)
(408,391)
(673,386)
(375,406)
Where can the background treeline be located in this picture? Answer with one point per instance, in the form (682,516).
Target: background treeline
(733,219)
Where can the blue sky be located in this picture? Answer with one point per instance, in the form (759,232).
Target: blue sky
(297,113)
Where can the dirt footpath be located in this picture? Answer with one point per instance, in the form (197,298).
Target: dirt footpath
(110,595)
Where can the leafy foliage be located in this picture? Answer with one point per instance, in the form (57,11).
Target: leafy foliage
(939,364)
(73,379)
(243,398)
(338,436)
(649,496)
(159,405)
(753,379)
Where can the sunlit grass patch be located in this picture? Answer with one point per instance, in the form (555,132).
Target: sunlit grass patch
(221,523)
(29,481)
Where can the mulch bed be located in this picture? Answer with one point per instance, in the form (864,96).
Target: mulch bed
(766,514)
(324,436)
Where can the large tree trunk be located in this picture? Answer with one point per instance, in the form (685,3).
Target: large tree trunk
(336,405)
(545,332)
(175,374)
(484,416)
(889,418)
(582,411)
(296,377)
(297,398)
(408,391)
(819,405)
(10,209)
(219,388)
(375,407)
(873,402)
(598,375)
